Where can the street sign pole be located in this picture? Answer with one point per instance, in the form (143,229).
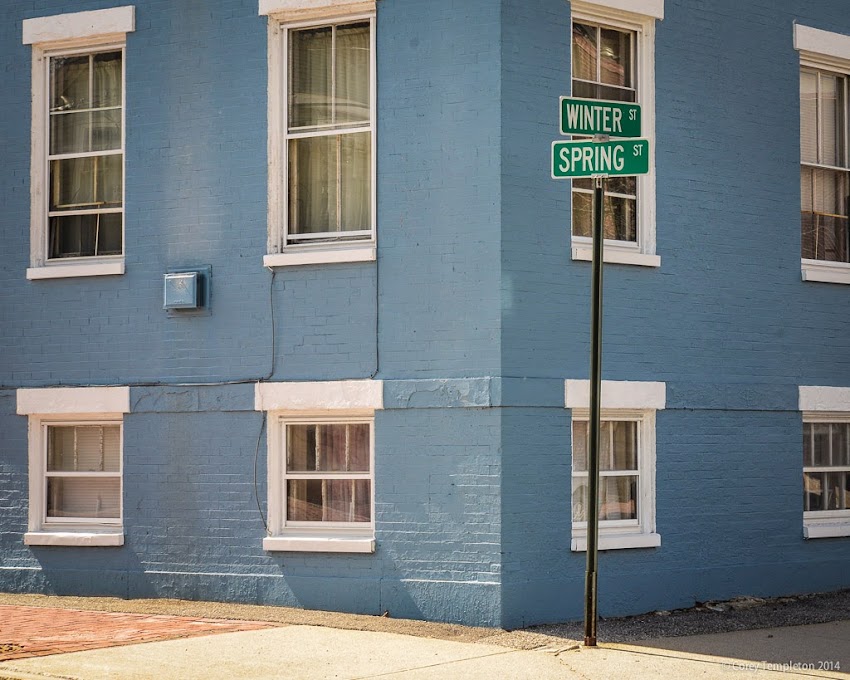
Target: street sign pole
(590,590)
(597,158)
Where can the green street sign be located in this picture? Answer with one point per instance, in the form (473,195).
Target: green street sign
(600,159)
(598,117)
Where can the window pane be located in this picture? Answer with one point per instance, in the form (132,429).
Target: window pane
(69,83)
(313,185)
(310,77)
(582,213)
(107,80)
(83,497)
(109,181)
(356,181)
(584,52)
(824,230)
(808,117)
(72,183)
(619,221)
(88,448)
(69,133)
(839,444)
(352,74)
(836,491)
(625,445)
(580,441)
(328,500)
(579,499)
(618,497)
(328,448)
(830,111)
(808,460)
(597,91)
(616,57)
(813,484)
(106,130)
(821,444)
(85,235)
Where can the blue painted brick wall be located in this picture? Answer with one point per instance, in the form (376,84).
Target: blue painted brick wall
(473,280)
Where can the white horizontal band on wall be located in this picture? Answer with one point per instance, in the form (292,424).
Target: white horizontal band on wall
(331,395)
(816,398)
(808,39)
(290,10)
(625,394)
(73,400)
(79,25)
(649,8)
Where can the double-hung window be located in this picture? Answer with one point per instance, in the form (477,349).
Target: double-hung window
(78,133)
(826,461)
(321,464)
(75,464)
(612,60)
(322,139)
(626,463)
(824,154)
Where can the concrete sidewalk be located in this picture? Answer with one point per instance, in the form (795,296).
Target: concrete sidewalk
(301,651)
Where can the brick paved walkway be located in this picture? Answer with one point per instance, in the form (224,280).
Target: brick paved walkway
(39,631)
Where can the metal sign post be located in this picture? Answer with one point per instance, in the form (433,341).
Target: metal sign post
(597,158)
(590,590)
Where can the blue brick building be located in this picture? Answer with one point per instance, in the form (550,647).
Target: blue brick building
(377,398)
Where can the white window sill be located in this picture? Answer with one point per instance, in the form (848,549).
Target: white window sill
(615,256)
(74,538)
(825,529)
(825,272)
(64,271)
(618,542)
(336,544)
(326,256)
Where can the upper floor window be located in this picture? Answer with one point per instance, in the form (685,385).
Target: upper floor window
(824,154)
(86,155)
(613,59)
(78,132)
(322,139)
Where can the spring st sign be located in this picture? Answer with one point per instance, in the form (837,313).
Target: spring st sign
(600,159)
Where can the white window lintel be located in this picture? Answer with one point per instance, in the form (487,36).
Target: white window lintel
(73,400)
(332,395)
(296,10)
(649,8)
(822,399)
(80,25)
(817,41)
(617,394)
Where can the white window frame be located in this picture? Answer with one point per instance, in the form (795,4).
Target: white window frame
(65,35)
(825,405)
(824,51)
(283,17)
(69,406)
(638,17)
(337,402)
(627,401)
